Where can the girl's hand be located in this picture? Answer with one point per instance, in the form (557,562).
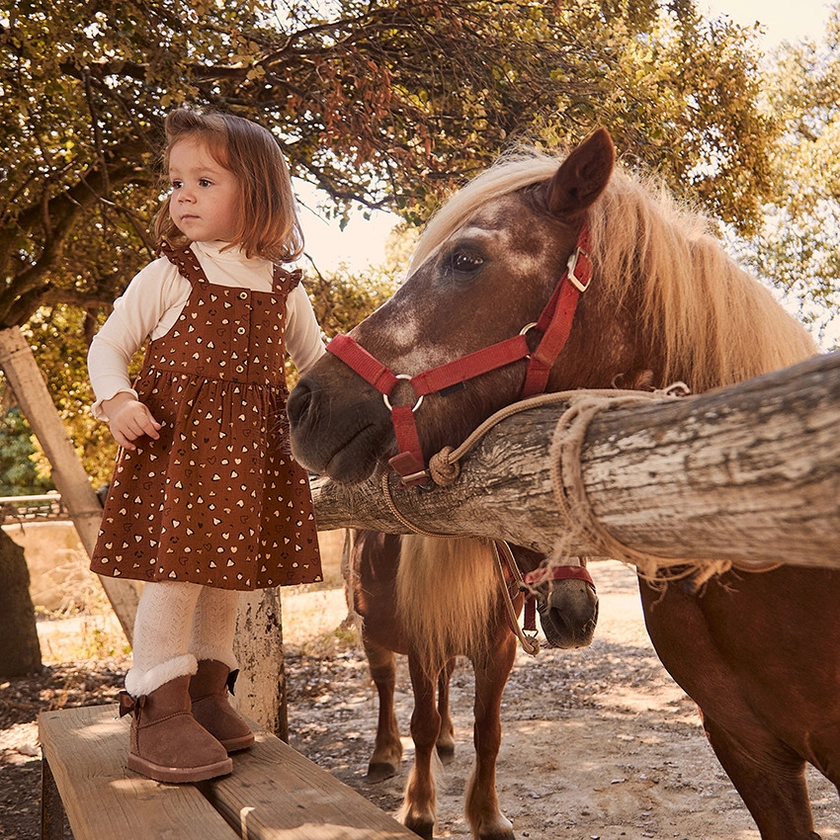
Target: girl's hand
(129,419)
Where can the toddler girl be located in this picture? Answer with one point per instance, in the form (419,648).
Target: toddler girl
(206,500)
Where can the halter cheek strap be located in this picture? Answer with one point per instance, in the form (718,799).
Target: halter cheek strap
(555,324)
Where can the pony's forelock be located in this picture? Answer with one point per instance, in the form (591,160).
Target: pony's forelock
(508,174)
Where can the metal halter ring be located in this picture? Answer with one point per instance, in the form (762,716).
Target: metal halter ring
(525,330)
(407,378)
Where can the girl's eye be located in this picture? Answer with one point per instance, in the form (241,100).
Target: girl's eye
(203,182)
(176,185)
(466,262)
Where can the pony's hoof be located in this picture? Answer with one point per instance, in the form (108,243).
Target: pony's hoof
(500,828)
(498,835)
(379,771)
(446,753)
(421,827)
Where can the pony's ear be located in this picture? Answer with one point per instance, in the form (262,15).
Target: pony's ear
(583,176)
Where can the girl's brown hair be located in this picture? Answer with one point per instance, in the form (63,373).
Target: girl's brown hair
(269,225)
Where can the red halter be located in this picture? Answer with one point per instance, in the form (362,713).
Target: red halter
(555,323)
(552,573)
(517,582)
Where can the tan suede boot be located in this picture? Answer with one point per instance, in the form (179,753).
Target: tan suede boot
(209,687)
(167,744)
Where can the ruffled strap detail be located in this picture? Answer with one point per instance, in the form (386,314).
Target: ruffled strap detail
(186,261)
(285,280)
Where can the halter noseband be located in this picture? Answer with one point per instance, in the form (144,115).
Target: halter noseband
(555,324)
(515,583)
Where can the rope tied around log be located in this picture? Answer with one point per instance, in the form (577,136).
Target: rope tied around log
(445,467)
(568,484)
(567,478)
(570,491)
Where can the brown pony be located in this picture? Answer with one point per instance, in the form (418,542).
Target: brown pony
(433,599)
(758,652)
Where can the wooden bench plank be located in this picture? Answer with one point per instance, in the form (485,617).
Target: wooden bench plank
(86,750)
(274,793)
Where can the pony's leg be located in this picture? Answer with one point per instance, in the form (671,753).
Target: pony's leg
(387,751)
(770,778)
(825,744)
(481,802)
(418,811)
(446,737)
(767,773)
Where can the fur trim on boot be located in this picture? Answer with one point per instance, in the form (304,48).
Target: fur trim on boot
(210,707)
(138,683)
(166,743)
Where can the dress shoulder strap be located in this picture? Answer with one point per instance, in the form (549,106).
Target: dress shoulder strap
(185,260)
(284,280)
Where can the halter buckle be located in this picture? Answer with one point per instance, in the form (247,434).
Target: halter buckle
(387,399)
(571,265)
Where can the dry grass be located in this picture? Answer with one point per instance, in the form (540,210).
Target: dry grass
(309,621)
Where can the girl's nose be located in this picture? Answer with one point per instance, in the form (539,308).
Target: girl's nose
(185,196)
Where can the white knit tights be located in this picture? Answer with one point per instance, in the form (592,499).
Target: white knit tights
(214,625)
(176,625)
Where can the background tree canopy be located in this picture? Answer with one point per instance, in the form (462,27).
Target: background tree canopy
(799,244)
(387,104)
(383,104)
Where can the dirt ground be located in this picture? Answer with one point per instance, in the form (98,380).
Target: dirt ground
(599,744)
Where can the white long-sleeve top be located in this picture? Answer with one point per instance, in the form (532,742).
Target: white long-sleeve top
(151,304)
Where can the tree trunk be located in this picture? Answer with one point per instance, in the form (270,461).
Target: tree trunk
(20,652)
(260,648)
(749,474)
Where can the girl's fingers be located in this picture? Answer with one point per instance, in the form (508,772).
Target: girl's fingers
(132,422)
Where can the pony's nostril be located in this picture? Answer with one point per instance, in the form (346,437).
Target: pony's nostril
(298,403)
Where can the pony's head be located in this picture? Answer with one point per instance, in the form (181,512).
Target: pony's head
(664,302)
(564,595)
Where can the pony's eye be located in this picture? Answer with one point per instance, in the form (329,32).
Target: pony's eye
(465,261)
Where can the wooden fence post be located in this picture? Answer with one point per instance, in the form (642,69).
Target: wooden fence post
(27,382)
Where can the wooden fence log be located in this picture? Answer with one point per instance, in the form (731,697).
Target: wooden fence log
(749,473)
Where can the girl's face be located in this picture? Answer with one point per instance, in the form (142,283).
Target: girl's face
(204,204)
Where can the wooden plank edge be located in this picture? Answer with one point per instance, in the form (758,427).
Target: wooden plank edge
(86,749)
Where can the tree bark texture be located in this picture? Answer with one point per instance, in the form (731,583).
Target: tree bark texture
(258,645)
(747,474)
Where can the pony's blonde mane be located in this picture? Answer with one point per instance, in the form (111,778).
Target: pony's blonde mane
(446,592)
(713,322)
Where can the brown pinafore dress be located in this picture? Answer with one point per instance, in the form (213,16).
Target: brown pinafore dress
(217,500)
